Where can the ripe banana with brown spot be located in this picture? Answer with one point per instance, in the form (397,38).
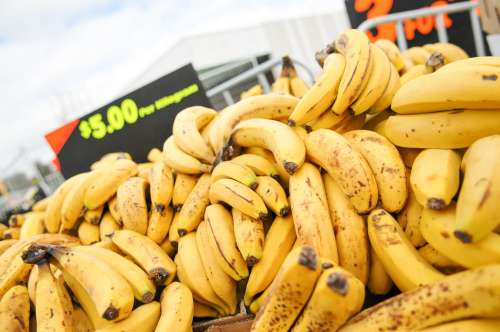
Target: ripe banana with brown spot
(176,309)
(161,185)
(235,171)
(183,185)
(193,208)
(107,226)
(439,261)
(93,216)
(131,200)
(273,195)
(15,310)
(181,162)
(73,208)
(249,236)
(159,224)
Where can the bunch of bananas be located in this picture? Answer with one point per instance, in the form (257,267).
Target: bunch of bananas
(288,205)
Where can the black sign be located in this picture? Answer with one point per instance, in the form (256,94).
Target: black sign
(135,123)
(419,31)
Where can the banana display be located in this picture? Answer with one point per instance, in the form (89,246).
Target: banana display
(304,206)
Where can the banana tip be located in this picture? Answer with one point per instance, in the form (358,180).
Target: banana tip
(291,123)
(251,261)
(463,236)
(253,185)
(290,167)
(35,254)
(308,258)
(436,204)
(326,265)
(111,313)
(148,297)
(338,283)
(159,275)
(181,232)
(284,211)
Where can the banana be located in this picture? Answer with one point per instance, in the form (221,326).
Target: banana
(310,212)
(409,219)
(437,228)
(346,166)
(386,165)
(438,260)
(81,321)
(450,52)
(144,170)
(475,61)
(41,205)
(255,90)
(273,195)
(154,155)
(478,212)
(193,208)
(472,87)
(179,161)
(355,46)
(290,292)
(105,185)
(281,85)
(220,230)
(94,216)
(73,208)
(409,155)
(222,284)
(377,82)
(161,185)
(259,165)
(12,233)
(301,132)
(435,177)
(159,224)
(33,225)
(173,232)
(113,209)
(392,52)
(277,244)
(351,123)
(204,311)
(143,319)
(249,235)
(268,155)
(257,303)
(53,212)
(143,288)
(473,293)
(483,325)
(337,296)
(147,254)
(350,231)
(15,310)
(268,106)
(183,185)
(235,171)
(107,244)
(6,244)
(408,64)
(131,201)
(88,233)
(441,130)
(169,248)
(329,120)
(286,146)
(379,282)
(433,63)
(298,87)
(53,310)
(186,132)
(418,55)
(176,309)
(107,226)
(238,196)
(322,94)
(384,102)
(195,276)
(393,247)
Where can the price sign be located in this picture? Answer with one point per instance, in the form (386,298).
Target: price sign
(134,123)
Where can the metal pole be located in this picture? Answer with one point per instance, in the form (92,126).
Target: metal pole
(227,97)
(400,32)
(441,29)
(262,79)
(476,32)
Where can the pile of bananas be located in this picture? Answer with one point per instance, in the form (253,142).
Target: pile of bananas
(287,205)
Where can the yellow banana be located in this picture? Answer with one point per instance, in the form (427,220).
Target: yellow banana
(143,319)
(347,167)
(173,232)
(143,288)
(441,130)
(235,171)
(41,205)
(450,52)
(483,325)
(33,225)
(107,226)
(337,296)
(161,185)
(154,155)
(392,52)
(258,164)
(220,230)
(433,63)
(298,87)
(273,195)
(105,185)
(147,254)
(437,228)
(256,303)
(15,310)
(350,231)
(12,233)
(181,162)
(88,233)
(355,46)
(377,82)
(322,94)
(478,210)
(311,217)
(384,102)
(290,291)
(53,311)
(386,164)
(238,196)
(73,208)
(329,120)
(277,244)
(393,247)
(281,85)
(435,177)
(471,87)
(113,209)
(418,55)
(438,260)
(473,293)
(475,61)
(81,321)
(94,216)
(193,208)
(183,185)
(409,219)
(131,200)
(159,224)
(204,311)
(379,282)
(186,132)
(268,106)
(144,170)
(255,90)
(6,244)
(249,235)
(176,309)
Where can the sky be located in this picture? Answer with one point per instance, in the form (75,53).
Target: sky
(60,59)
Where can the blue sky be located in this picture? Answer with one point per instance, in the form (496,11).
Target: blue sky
(60,58)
